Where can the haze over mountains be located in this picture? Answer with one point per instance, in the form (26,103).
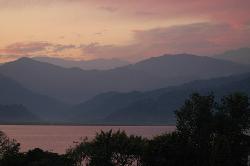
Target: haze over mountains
(97,64)
(153,107)
(13,93)
(181,68)
(146,92)
(16,114)
(74,85)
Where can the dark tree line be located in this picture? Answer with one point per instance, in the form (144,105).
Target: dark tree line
(208,133)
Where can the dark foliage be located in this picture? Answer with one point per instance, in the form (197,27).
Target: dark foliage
(8,150)
(194,126)
(36,157)
(217,133)
(109,149)
(167,149)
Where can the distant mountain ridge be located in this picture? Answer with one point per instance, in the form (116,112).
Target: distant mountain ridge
(132,94)
(16,114)
(44,107)
(241,55)
(75,85)
(97,64)
(152,107)
(188,67)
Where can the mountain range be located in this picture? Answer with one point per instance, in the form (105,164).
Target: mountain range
(74,85)
(153,107)
(13,93)
(16,114)
(181,68)
(146,92)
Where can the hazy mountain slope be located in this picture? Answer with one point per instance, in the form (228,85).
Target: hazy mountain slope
(99,107)
(16,114)
(161,110)
(43,106)
(241,55)
(152,107)
(97,64)
(184,67)
(74,84)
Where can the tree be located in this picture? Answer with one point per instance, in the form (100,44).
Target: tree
(167,150)
(221,151)
(109,149)
(38,157)
(194,126)
(217,133)
(9,150)
(126,149)
(232,123)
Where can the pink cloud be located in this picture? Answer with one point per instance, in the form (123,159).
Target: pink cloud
(226,11)
(31,48)
(25,48)
(229,11)
(198,38)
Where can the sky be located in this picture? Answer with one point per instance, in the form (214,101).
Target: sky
(124,29)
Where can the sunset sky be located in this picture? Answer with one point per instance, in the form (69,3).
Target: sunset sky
(125,29)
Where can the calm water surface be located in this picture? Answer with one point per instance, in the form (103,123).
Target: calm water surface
(59,138)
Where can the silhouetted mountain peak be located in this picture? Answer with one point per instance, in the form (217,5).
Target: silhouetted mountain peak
(24,60)
(30,65)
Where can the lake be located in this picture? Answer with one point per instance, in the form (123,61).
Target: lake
(59,138)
